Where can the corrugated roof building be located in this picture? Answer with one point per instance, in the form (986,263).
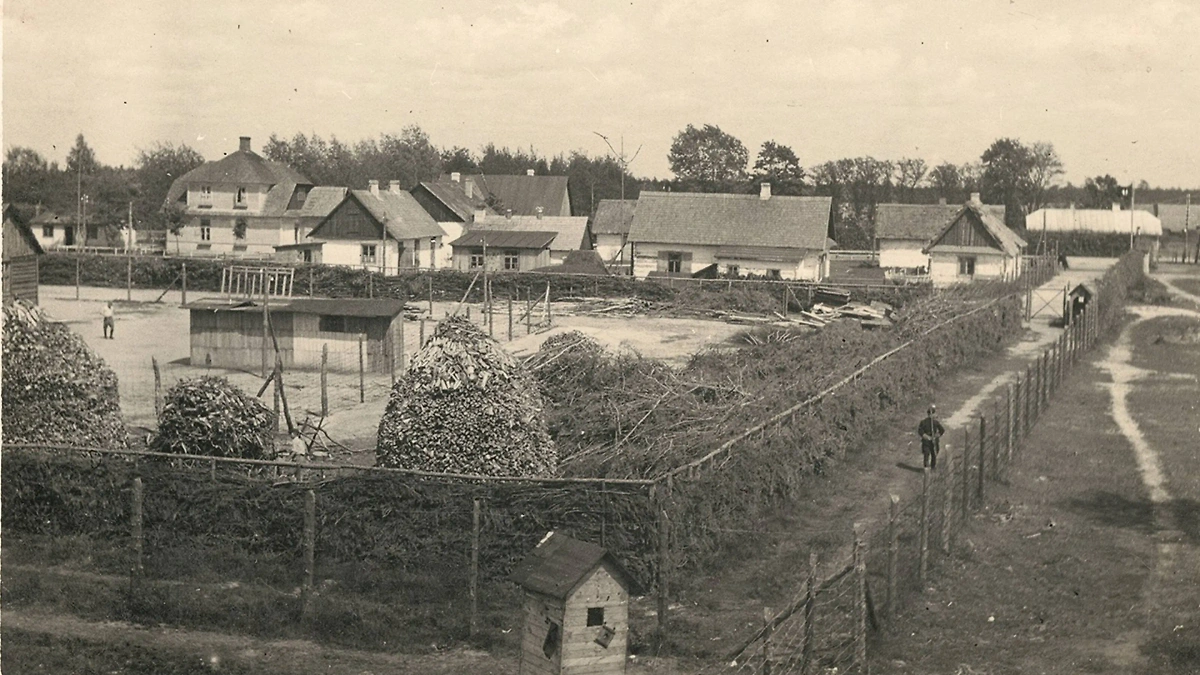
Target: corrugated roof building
(1103,221)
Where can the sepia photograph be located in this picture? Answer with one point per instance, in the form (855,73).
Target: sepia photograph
(587,338)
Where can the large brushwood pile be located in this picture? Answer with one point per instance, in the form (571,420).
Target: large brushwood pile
(210,416)
(466,406)
(56,390)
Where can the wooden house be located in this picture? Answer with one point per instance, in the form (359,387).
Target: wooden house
(502,250)
(974,245)
(576,609)
(385,230)
(20,253)
(230,334)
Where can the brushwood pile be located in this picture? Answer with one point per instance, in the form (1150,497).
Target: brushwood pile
(211,416)
(56,389)
(465,405)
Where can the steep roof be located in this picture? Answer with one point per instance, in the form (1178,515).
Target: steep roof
(400,213)
(560,563)
(919,221)
(523,193)
(1006,239)
(571,231)
(505,239)
(613,216)
(1094,220)
(18,238)
(455,198)
(244,167)
(731,220)
(321,201)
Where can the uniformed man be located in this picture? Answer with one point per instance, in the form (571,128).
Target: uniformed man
(930,430)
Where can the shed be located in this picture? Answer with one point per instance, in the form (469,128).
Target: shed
(576,608)
(1078,300)
(230,334)
(20,252)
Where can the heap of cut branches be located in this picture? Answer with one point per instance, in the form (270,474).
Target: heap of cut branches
(210,416)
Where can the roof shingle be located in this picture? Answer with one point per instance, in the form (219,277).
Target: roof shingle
(505,239)
(731,220)
(613,216)
(524,194)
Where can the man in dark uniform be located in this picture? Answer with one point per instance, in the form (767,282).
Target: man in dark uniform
(930,430)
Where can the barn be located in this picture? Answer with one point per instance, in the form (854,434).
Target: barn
(231,334)
(21,251)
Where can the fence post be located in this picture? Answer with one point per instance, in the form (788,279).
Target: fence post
(996,441)
(1010,413)
(982,454)
(421,333)
(157,388)
(767,630)
(893,552)
(430,279)
(474,581)
(966,481)
(78,264)
(310,282)
(810,605)
(1028,402)
(325,380)
(860,600)
(947,503)
(529,310)
(362,384)
(136,530)
(664,555)
(510,318)
(129,278)
(310,547)
(183,282)
(923,554)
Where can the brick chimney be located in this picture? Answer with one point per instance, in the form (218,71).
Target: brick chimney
(244,144)
(529,172)
(394,187)
(764,191)
(975,198)
(455,177)
(374,186)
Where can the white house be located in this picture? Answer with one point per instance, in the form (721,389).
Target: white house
(386,231)
(51,230)
(973,245)
(610,229)
(682,233)
(572,233)
(902,232)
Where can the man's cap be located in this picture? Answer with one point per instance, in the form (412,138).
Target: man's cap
(932,409)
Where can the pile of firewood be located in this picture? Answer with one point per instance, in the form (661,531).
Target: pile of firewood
(210,416)
(56,390)
(466,406)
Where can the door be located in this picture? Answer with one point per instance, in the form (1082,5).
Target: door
(68,236)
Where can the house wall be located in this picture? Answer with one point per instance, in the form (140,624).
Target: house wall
(223,197)
(943,270)
(21,279)
(540,613)
(612,247)
(902,253)
(348,253)
(445,256)
(263,234)
(58,235)
(580,652)
(529,259)
(650,257)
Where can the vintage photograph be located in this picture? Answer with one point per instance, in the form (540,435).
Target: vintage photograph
(583,338)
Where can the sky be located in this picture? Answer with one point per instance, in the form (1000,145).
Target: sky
(1114,85)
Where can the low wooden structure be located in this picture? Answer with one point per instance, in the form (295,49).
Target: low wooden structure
(231,334)
(1078,300)
(576,609)
(21,251)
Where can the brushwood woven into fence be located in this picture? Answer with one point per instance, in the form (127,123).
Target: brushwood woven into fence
(903,552)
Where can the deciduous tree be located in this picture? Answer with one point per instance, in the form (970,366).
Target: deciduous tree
(155,169)
(708,157)
(779,165)
(1101,192)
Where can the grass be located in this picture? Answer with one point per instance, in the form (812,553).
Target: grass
(26,652)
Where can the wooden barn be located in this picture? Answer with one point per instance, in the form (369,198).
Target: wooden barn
(576,609)
(227,334)
(21,251)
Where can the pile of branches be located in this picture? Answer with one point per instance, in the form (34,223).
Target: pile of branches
(210,416)
(56,390)
(466,406)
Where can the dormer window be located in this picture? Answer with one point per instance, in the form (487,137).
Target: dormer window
(205,197)
(239,199)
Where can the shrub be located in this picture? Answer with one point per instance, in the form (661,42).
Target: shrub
(210,416)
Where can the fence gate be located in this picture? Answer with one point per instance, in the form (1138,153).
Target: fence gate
(1047,302)
(254,282)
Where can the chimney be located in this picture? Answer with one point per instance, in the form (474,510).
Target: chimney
(975,198)
(374,185)
(539,212)
(941,201)
(394,187)
(764,191)
(508,213)
(1116,206)
(455,177)
(469,188)
(529,172)
(244,144)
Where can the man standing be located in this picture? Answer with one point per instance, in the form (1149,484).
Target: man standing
(109,324)
(930,430)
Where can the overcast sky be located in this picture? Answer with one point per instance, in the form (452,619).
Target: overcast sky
(1114,85)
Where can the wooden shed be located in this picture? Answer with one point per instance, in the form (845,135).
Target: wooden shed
(576,609)
(231,334)
(1077,300)
(20,253)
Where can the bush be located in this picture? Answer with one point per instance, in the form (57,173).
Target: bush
(466,406)
(210,416)
(56,390)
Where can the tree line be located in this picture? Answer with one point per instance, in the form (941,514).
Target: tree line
(1021,176)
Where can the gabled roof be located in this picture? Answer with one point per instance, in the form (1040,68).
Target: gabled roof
(571,231)
(244,167)
(398,212)
(731,220)
(560,563)
(578,262)
(921,222)
(1006,240)
(455,198)
(613,216)
(523,193)
(51,218)
(1094,220)
(321,201)
(15,224)
(505,239)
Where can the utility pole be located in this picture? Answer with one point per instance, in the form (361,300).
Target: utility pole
(1132,208)
(1187,221)
(624,164)
(132,236)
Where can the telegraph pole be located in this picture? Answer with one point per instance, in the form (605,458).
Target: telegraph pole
(1132,208)
(624,164)
(1187,221)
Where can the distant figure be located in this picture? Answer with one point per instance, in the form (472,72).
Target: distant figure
(930,431)
(109,323)
(299,446)
(1062,261)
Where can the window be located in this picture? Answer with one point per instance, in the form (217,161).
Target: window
(368,253)
(47,230)
(595,616)
(551,643)
(342,324)
(674,263)
(308,255)
(512,260)
(239,200)
(205,229)
(476,259)
(732,270)
(966,266)
(239,228)
(205,197)
(774,275)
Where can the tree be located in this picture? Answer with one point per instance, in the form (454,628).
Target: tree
(947,182)
(155,169)
(1101,192)
(458,159)
(708,157)
(1007,169)
(81,158)
(909,174)
(1046,167)
(779,165)
(28,178)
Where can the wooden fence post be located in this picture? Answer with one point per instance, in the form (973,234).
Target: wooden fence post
(183,284)
(430,279)
(474,581)
(996,442)
(966,481)
(390,346)
(767,631)
(310,282)
(78,264)
(664,556)
(860,600)
(510,318)
(1009,414)
(362,374)
(810,605)
(893,552)
(982,455)
(421,333)
(157,388)
(137,568)
(325,380)
(310,547)
(129,278)
(1025,424)
(923,541)
(529,310)
(947,503)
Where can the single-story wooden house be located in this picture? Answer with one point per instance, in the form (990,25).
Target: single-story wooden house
(975,244)
(385,231)
(454,205)
(20,254)
(502,250)
(230,334)
(903,230)
(681,233)
(571,233)
(576,617)
(610,230)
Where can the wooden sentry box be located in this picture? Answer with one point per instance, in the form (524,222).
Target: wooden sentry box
(576,609)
